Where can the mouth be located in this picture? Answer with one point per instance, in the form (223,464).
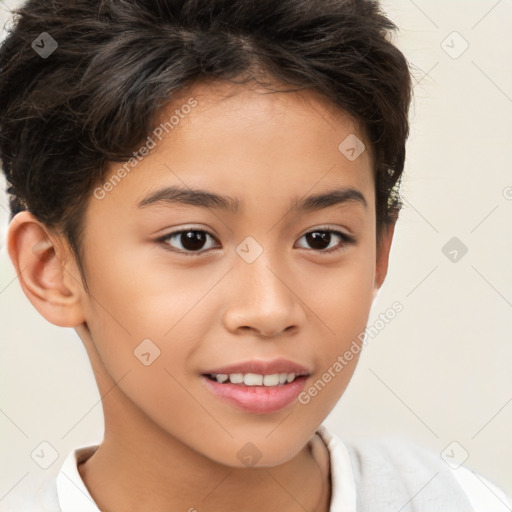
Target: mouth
(257,372)
(258,387)
(254,379)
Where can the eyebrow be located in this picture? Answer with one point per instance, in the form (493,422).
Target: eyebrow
(205,199)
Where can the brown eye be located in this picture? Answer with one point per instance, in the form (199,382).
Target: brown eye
(320,240)
(188,241)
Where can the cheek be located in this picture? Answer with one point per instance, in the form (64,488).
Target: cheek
(141,343)
(145,297)
(341,297)
(142,311)
(341,300)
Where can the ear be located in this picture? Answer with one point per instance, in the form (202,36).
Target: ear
(383,249)
(46,270)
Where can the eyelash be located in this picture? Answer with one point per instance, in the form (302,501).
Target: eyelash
(347,240)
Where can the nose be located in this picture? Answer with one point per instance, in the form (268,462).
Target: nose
(263,299)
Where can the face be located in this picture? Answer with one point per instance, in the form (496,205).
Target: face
(183,286)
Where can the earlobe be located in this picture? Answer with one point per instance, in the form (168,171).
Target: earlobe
(41,262)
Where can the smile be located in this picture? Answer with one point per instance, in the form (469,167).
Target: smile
(254,379)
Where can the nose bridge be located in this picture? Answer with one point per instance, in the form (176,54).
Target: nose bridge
(265,300)
(259,267)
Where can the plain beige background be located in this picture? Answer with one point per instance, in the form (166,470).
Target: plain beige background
(438,373)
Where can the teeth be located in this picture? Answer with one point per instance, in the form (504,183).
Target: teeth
(254,379)
(271,380)
(236,378)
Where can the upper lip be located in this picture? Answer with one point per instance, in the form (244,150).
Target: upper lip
(261,367)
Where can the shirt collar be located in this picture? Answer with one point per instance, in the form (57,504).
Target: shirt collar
(74,497)
(71,490)
(343,486)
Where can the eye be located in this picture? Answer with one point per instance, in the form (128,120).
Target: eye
(190,240)
(320,240)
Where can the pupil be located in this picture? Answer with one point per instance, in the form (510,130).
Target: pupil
(317,239)
(193,240)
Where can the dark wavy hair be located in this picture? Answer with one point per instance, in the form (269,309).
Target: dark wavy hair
(64,118)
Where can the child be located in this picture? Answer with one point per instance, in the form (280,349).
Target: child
(273,132)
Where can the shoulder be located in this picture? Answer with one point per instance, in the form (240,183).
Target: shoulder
(484,495)
(35,492)
(39,491)
(395,472)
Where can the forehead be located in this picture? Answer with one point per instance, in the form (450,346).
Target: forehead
(300,119)
(248,143)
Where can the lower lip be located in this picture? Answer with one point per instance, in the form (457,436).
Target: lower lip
(258,399)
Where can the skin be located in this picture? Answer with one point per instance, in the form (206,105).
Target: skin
(169,443)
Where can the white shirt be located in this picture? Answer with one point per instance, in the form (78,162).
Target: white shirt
(68,493)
